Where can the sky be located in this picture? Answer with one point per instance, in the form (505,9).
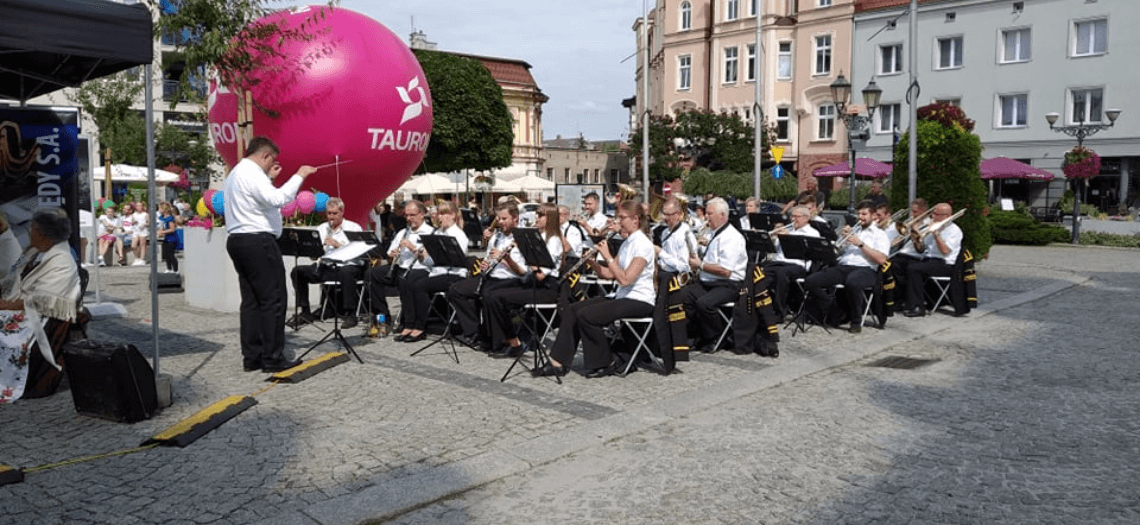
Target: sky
(575,48)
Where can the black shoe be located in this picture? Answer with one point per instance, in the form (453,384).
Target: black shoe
(399,338)
(281,365)
(348,321)
(917,311)
(414,338)
(855,328)
(509,352)
(251,367)
(603,371)
(549,370)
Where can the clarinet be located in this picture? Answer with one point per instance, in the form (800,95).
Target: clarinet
(491,264)
(392,268)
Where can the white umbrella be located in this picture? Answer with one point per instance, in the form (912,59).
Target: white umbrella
(525,183)
(430,184)
(126,173)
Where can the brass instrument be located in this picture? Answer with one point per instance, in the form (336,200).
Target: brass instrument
(894,218)
(908,227)
(844,235)
(589,254)
(783,228)
(685,277)
(936,227)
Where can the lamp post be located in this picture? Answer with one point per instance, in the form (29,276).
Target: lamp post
(855,123)
(1080,130)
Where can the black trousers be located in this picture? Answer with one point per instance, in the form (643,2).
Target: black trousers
(502,301)
(661,328)
(585,322)
(416,293)
(345,275)
(261,276)
(853,278)
(468,304)
(378,285)
(916,274)
(700,301)
(782,274)
(168,255)
(899,265)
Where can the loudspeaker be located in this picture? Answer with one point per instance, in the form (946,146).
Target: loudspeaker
(110,381)
(169,283)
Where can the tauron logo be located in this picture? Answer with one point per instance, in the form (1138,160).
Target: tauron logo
(416,108)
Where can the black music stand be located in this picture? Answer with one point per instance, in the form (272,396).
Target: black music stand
(758,242)
(444,250)
(300,242)
(765,221)
(534,252)
(820,252)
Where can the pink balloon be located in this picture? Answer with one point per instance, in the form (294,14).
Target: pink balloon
(306,201)
(208,198)
(364,101)
(289,209)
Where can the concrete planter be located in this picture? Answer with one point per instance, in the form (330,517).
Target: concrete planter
(209,275)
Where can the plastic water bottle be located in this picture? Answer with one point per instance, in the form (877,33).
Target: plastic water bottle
(382,325)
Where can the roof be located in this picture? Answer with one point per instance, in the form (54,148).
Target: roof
(504,70)
(875,5)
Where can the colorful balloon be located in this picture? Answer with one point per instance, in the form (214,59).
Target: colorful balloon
(208,197)
(364,101)
(289,209)
(321,200)
(201,208)
(306,201)
(219,202)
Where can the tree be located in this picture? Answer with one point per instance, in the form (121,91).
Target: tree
(471,127)
(948,160)
(716,141)
(108,101)
(702,181)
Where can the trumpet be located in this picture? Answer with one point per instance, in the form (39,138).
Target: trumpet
(936,227)
(783,228)
(844,235)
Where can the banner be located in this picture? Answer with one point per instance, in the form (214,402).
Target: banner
(38,164)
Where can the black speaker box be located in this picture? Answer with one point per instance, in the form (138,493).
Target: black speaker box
(110,381)
(169,282)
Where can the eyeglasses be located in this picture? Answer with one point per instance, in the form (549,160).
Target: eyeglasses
(678,212)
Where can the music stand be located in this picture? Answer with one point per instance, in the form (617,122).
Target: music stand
(758,242)
(444,250)
(300,242)
(819,251)
(533,248)
(765,221)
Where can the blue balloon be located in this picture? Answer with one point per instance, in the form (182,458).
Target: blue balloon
(219,202)
(322,200)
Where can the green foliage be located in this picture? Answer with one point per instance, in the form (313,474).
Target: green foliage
(1108,239)
(840,199)
(471,127)
(948,159)
(1014,227)
(1066,206)
(721,142)
(948,115)
(702,181)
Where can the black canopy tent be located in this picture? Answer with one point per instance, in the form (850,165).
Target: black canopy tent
(47,45)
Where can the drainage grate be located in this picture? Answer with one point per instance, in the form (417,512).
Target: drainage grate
(902,363)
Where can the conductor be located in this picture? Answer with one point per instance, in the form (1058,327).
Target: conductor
(253,220)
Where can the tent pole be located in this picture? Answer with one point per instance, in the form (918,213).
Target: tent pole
(152,235)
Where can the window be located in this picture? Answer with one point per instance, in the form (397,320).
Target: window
(783,117)
(889,117)
(597,175)
(686,16)
(1013,110)
(824,3)
(1088,105)
(567,176)
(826,122)
(949,53)
(1015,45)
(1090,37)
(956,102)
(784,60)
(823,55)
(890,59)
(753,8)
(550,173)
(752,62)
(684,72)
(732,10)
(730,60)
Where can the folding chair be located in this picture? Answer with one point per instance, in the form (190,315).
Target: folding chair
(328,289)
(942,283)
(868,296)
(727,318)
(546,313)
(646,328)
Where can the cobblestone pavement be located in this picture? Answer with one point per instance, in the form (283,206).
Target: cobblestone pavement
(1024,418)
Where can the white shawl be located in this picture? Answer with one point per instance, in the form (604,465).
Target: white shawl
(50,290)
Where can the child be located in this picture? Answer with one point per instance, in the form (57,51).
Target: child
(168,233)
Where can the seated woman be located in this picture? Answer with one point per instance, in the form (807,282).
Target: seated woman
(418,286)
(43,289)
(585,321)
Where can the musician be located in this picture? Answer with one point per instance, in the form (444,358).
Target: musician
(253,221)
(539,287)
(571,231)
(817,221)
(811,190)
(904,244)
(942,246)
(782,269)
(418,286)
(596,220)
(499,269)
(865,248)
(883,217)
(586,321)
(677,244)
(751,205)
(332,237)
(721,275)
(401,260)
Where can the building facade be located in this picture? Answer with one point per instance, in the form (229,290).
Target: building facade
(578,161)
(1007,64)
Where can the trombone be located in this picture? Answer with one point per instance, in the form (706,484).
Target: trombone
(935,227)
(909,227)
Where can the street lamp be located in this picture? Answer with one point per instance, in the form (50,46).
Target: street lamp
(1080,130)
(856,124)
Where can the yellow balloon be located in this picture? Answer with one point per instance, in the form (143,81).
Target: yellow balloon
(201,208)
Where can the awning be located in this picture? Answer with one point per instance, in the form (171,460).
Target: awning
(864,167)
(1004,168)
(47,45)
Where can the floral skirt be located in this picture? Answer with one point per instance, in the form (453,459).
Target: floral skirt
(16,346)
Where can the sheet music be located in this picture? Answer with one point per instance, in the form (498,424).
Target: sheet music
(348,252)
